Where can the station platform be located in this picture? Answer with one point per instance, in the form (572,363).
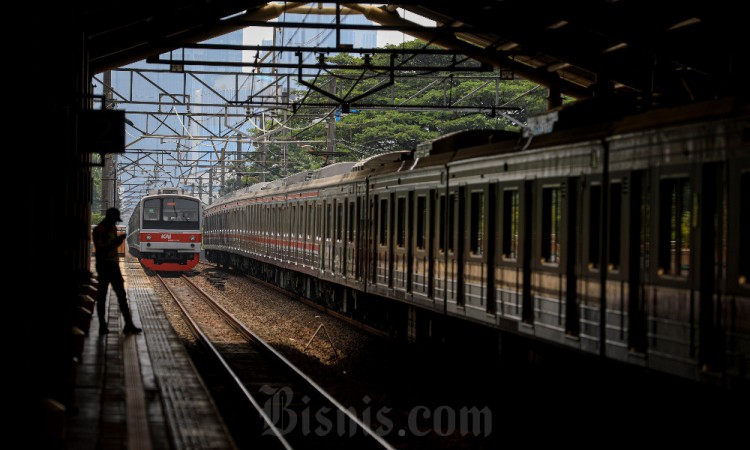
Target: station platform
(140,391)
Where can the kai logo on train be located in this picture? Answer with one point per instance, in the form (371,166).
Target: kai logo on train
(166,236)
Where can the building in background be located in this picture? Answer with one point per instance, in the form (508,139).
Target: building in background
(320,37)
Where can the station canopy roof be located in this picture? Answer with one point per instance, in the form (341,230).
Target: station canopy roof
(677,50)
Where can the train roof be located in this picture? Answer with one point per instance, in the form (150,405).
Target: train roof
(332,170)
(464,138)
(554,128)
(375,162)
(171,192)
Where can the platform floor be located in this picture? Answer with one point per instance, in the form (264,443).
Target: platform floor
(141,391)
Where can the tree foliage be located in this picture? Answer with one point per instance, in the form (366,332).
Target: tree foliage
(368,132)
(96,195)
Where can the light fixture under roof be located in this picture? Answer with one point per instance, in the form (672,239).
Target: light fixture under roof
(615,47)
(684,23)
(558,24)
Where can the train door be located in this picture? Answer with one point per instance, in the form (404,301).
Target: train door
(325,232)
(278,232)
(615,241)
(360,238)
(350,238)
(280,229)
(271,233)
(672,302)
(454,247)
(439,245)
(288,212)
(550,281)
(327,256)
(317,235)
(527,245)
(291,241)
(734,314)
(399,252)
(409,241)
(382,241)
(391,238)
(339,259)
(637,251)
(299,234)
(711,264)
(572,321)
(309,239)
(510,257)
(275,231)
(420,247)
(433,220)
(266,230)
(475,216)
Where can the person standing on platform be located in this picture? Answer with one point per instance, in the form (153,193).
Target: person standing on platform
(106,242)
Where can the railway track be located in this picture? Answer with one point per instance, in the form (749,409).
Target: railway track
(341,317)
(293,412)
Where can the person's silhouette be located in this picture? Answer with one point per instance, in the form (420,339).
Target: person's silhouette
(106,241)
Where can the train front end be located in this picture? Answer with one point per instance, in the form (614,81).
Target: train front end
(169,237)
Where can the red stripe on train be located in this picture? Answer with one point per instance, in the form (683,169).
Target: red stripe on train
(167,236)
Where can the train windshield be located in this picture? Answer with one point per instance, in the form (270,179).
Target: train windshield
(171,214)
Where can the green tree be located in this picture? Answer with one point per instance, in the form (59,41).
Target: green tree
(367,132)
(96,195)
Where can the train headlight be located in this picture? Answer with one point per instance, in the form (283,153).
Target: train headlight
(148,237)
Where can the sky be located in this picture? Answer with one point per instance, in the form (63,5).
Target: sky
(255,35)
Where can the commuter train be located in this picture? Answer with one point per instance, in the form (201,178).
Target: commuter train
(630,231)
(164,231)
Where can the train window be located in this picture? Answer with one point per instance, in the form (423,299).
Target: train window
(421,218)
(171,214)
(675,215)
(329,220)
(441,231)
(744,255)
(551,220)
(451,219)
(179,210)
(151,209)
(383,221)
(351,222)
(476,232)
(401,214)
(511,221)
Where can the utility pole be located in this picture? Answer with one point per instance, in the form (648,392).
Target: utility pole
(210,185)
(109,171)
(238,159)
(262,162)
(286,133)
(223,169)
(331,131)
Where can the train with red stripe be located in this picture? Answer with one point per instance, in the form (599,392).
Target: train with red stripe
(626,238)
(164,231)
